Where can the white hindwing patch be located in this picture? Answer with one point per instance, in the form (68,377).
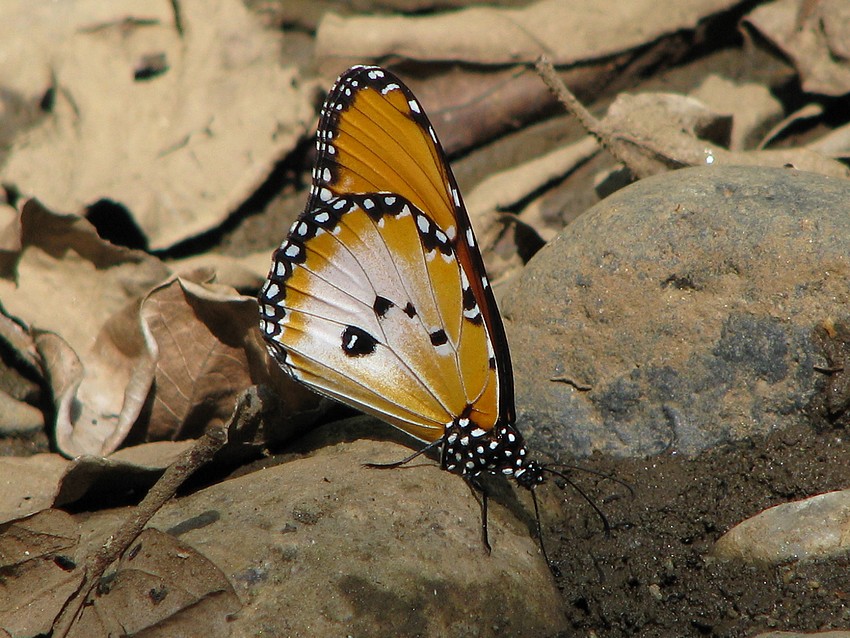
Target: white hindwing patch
(367,324)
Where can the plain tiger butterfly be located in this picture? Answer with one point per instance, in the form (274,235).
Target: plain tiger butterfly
(378,297)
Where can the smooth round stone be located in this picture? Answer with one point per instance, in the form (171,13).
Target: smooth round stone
(813,528)
(680,313)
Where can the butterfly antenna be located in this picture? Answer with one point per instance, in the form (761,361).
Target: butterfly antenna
(579,468)
(584,495)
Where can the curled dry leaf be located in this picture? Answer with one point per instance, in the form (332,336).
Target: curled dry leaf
(161,587)
(177,118)
(104,341)
(77,293)
(666,131)
(752,107)
(242,273)
(499,235)
(38,559)
(207,352)
(507,188)
(33,483)
(128,471)
(20,394)
(505,36)
(806,112)
(656,132)
(815,36)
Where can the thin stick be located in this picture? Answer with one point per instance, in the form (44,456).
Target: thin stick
(559,90)
(642,161)
(173,477)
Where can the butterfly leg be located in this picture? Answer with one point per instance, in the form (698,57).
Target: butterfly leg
(555,571)
(425,449)
(477,488)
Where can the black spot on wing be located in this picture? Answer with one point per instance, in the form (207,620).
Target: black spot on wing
(471,311)
(432,237)
(410,310)
(382,306)
(356,342)
(439,338)
(469,299)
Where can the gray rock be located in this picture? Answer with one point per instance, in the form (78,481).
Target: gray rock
(816,527)
(321,546)
(679,313)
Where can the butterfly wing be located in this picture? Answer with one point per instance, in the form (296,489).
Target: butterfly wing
(379,297)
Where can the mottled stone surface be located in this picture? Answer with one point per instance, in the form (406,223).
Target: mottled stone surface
(321,546)
(679,313)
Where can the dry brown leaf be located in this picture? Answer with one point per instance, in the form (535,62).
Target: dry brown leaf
(657,132)
(20,341)
(241,273)
(806,112)
(19,418)
(835,144)
(567,32)
(815,36)
(17,415)
(507,188)
(800,158)
(159,584)
(29,484)
(76,292)
(179,147)
(161,587)
(207,353)
(104,340)
(753,108)
(666,131)
(128,471)
(38,558)
(34,483)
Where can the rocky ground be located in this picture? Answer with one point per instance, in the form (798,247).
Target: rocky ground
(654,573)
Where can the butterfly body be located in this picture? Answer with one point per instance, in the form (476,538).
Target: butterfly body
(379,297)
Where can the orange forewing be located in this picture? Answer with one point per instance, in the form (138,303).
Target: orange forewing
(383,142)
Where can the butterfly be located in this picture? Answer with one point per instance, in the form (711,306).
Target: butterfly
(379,298)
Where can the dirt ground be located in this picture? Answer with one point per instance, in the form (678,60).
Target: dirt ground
(653,574)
